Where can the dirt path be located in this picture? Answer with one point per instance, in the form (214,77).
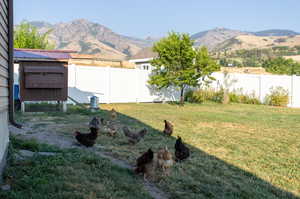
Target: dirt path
(65,142)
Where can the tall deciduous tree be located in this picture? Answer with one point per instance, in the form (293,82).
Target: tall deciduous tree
(27,36)
(179,64)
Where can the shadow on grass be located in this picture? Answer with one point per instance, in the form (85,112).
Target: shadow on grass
(202,175)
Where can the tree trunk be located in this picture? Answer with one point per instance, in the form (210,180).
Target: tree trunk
(182,96)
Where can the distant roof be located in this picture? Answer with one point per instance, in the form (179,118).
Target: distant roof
(92,57)
(37,54)
(144,54)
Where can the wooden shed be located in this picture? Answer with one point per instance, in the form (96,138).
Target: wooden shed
(43,74)
(6,54)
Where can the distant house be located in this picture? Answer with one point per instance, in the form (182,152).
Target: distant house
(98,61)
(6,77)
(143,59)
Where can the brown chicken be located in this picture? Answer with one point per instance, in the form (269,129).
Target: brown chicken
(108,127)
(88,139)
(165,160)
(168,128)
(145,164)
(134,138)
(181,151)
(113,114)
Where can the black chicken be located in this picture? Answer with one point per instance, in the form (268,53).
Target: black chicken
(143,161)
(181,151)
(94,123)
(88,139)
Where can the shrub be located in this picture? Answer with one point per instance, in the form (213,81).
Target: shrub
(278,97)
(199,96)
(243,98)
(194,96)
(235,98)
(188,95)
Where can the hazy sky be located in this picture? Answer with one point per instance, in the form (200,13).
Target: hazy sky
(142,18)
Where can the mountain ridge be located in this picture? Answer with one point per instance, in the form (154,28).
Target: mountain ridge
(88,37)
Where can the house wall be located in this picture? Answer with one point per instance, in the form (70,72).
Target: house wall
(4,93)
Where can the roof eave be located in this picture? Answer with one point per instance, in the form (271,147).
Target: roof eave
(16,60)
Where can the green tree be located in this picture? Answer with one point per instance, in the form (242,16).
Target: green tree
(27,36)
(282,66)
(179,64)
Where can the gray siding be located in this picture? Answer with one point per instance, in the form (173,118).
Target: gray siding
(4,89)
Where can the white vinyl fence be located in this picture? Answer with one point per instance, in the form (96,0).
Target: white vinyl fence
(260,85)
(115,85)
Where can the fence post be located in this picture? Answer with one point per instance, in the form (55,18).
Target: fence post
(108,84)
(138,82)
(292,90)
(75,78)
(260,88)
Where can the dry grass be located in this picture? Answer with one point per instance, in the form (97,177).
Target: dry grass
(252,42)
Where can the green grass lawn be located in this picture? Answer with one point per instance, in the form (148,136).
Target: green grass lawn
(238,151)
(71,174)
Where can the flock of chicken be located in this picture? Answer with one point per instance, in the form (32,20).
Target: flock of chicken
(148,162)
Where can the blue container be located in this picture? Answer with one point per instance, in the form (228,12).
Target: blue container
(16,92)
(94,103)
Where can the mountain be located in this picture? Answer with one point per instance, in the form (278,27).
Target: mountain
(253,41)
(214,37)
(276,32)
(91,38)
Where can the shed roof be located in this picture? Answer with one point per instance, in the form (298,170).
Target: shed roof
(38,54)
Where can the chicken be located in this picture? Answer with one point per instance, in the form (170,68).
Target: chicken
(134,138)
(93,134)
(113,114)
(165,160)
(112,131)
(87,140)
(168,128)
(103,122)
(145,164)
(94,123)
(108,127)
(181,151)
